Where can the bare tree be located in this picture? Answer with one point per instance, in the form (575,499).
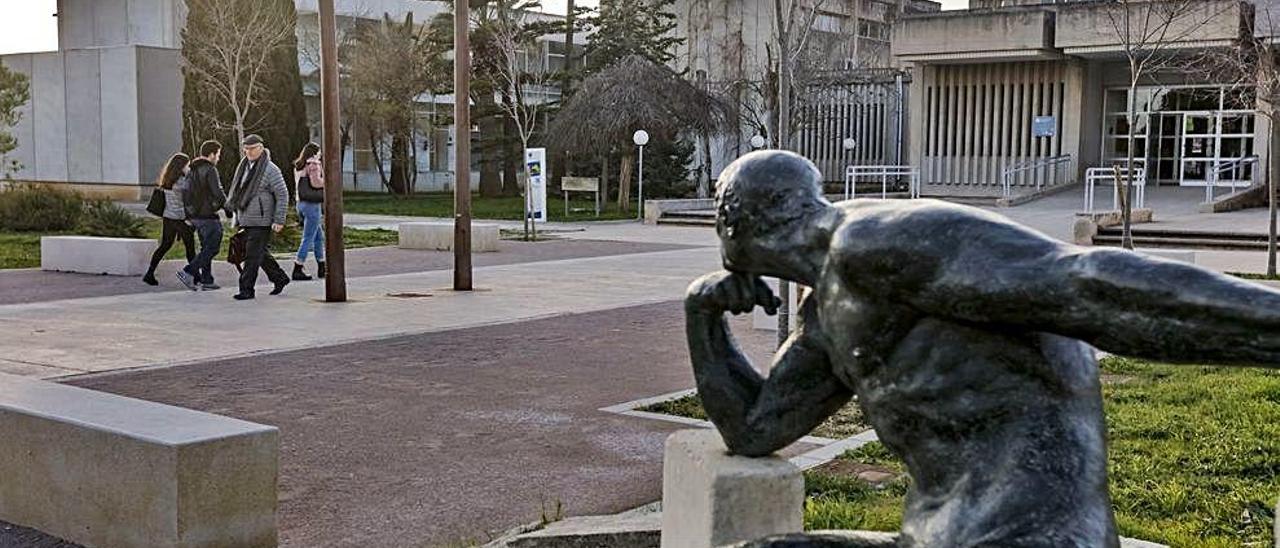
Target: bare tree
(1148,32)
(792,26)
(1252,66)
(522,73)
(348,30)
(230,55)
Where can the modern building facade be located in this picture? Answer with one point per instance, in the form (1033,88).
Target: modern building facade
(852,88)
(1017,83)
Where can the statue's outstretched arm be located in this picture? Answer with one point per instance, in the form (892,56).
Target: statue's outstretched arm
(756,415)
(1119,301)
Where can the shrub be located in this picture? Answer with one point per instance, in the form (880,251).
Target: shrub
(35,208)
(106,218)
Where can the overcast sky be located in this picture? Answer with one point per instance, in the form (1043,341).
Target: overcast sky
(29,25)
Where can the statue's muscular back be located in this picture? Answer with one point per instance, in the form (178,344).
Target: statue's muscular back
(1000,426)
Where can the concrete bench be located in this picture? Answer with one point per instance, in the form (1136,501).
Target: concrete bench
(93,255)
(105,470)
(439,237)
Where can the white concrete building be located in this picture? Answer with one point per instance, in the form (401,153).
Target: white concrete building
(732,46)
(106,108)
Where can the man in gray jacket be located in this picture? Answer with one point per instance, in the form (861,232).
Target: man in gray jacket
(260,201)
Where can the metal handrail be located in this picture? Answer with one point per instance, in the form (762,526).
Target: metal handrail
(1095,174)
(1211,180)
(1006,179)
(852,173)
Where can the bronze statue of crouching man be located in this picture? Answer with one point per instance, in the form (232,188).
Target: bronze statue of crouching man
(966,339)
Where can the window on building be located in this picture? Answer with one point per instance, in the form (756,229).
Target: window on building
(873,30)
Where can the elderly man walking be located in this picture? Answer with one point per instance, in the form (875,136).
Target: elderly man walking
(260,201)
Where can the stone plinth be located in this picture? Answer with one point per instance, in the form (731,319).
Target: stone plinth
(103,470)
(93,255)
(439,237)
(710,498)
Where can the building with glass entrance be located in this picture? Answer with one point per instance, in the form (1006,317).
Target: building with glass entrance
(1027,94)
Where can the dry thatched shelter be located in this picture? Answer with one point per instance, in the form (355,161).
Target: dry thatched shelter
(632,94)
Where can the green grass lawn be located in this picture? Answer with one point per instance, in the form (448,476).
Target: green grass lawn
(1194,459)
(437,204)
(22,249)
(847,422)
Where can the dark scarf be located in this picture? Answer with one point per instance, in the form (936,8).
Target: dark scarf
(243,184)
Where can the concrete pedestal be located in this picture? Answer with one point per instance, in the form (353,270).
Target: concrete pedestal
(710,498)
(92,255)
(439,237)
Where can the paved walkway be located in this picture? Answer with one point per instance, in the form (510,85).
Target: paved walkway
(34,285)
(52,339)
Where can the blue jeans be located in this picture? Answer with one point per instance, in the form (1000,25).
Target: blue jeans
(312,231)
(210,232)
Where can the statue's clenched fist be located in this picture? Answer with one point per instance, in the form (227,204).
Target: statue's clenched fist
(726,291)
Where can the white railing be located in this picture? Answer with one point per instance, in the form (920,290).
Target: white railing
(1219,167)
(885,174)
(1118,177)
(1042,170)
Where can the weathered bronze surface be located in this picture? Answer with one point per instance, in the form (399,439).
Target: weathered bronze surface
(965,338)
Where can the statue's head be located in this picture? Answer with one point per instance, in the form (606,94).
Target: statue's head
(765,204)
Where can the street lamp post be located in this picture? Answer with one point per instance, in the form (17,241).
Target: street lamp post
(641,138)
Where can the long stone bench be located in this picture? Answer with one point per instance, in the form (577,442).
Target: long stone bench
(94,255)
(439,236)
(105,470)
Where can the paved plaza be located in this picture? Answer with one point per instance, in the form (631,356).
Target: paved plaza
(417,415)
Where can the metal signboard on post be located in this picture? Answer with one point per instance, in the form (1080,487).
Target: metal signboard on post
(535,161)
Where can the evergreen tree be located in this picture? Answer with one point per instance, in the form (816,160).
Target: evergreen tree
(632,27)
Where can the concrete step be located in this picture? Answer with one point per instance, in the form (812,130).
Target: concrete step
(1184,240)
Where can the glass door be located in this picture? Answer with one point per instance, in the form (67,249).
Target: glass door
(1199,147)
(1166,154)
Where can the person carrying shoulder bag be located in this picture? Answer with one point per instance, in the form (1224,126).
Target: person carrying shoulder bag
(260,202)
(309,175)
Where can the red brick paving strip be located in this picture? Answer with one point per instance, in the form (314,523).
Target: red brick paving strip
(439,438)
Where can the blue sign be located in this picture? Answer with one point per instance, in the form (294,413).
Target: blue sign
(1044,126)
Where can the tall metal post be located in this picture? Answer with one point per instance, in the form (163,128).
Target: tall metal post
(462,146)
(335,282)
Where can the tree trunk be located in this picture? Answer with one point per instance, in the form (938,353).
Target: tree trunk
(400,164)
(375,146)
(512,159)
(604,179)
(1126,194)
(1273,177)
(624,182)
(491,131)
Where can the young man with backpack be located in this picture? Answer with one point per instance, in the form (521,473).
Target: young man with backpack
(203,201)
(260,201)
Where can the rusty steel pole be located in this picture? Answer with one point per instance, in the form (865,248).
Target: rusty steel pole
(335,282)
(462,146)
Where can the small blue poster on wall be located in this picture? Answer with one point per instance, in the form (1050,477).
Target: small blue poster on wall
(1044,126)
